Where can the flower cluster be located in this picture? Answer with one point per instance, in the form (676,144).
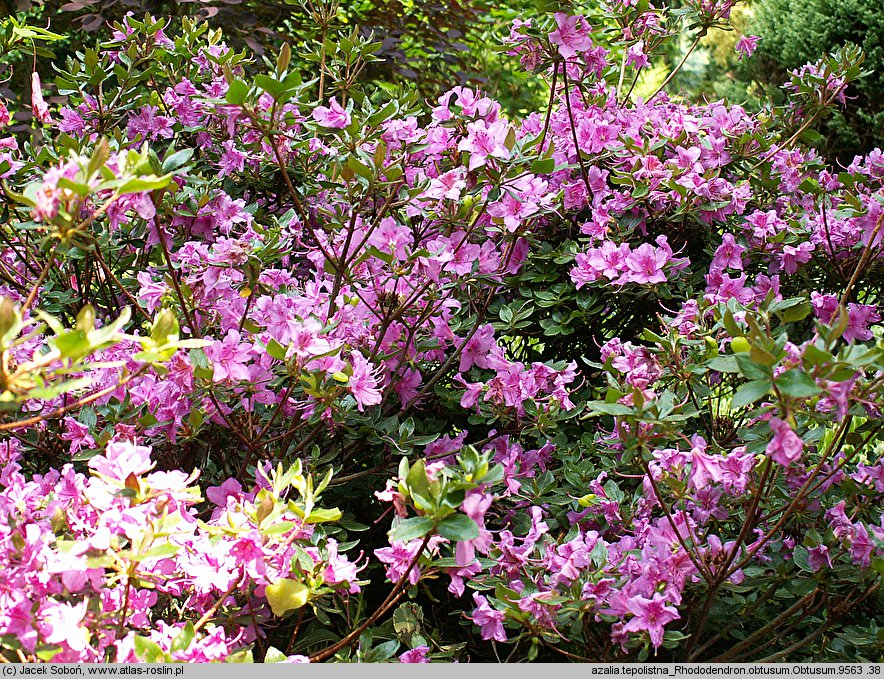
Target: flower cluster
(625,352)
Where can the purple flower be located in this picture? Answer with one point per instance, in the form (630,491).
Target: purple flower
(121,459)
(786,446)
(39,107)
(650,615)
(746,45)
(485,140)
(415,655)
(490,621)
(636,56)
(571,35)
(645,265)
(818,557)
(229,358)
(474,506)
(363,384)
(333,116)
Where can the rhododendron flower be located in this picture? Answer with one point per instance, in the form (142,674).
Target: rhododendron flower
(39,107)
(571,34)
(746,45)
(363,384)
(645,265)
(485,140)
(474,506)
(5,117)
(650,615)
(63,622)
(705,469)
(415,655)
(818,557)
(229,358)
(334,115)
(397,557)
(122,458)
(861,546)
(71,122)
(512,210)
(149,124)
(786,446)
(636,56)
(489,620)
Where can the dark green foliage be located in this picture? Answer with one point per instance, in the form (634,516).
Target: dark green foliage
(797,33)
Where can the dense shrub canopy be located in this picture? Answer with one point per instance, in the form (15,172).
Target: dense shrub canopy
(600,382)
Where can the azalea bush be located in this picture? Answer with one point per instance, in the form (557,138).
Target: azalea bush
(600,383)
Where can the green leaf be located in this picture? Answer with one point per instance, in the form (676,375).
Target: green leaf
(813,355)
(286,595)
(724,364)
(796,312)
(147,650)
(411,529)
(797,384)
(750,369)
(323,515)
(800,557)
(276,350)
(458,528)
(146,183)
(543,166)
(182,641)
(418,484)
(175,160)
(161,551)
(274,655)
(237,92)
(609,408)
(750,392)
(382,115)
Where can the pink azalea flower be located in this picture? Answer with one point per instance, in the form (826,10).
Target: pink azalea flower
(415,655)
(571,35)
(636,56)
(645,265)
(122,458)
(39,107)
(818,557)
(485,140)
(474,506)
(746,45)
(650,615)
(229,358)
(232,160)
(71,122)
(705,469)
(786,446)
(490,621)
(512,210)
(363,384)
(333,116)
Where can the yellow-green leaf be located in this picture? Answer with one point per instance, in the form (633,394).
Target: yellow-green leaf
(286,595)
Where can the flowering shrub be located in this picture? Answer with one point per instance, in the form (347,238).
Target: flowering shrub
(617,362)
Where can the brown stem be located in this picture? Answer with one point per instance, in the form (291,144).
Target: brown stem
(680,64)
(72,406)
(863,261)
(394,596)
(574,134)
(107,270)
(32,295)
(773,624)
(699,566)
(214,608)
